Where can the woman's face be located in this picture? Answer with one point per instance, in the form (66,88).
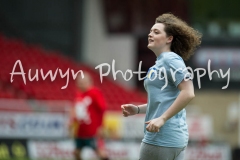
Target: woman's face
(158,39)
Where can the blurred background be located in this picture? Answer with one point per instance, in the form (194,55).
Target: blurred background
(79,35)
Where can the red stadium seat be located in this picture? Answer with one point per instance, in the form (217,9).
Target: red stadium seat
(35,58)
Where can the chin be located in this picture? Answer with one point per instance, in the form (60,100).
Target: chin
(150,46)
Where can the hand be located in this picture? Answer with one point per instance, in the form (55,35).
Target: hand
(129,109)
(154,125)
(72,129)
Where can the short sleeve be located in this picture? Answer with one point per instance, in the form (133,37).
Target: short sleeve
(176,70)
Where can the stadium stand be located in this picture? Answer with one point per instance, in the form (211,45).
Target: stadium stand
(34,58)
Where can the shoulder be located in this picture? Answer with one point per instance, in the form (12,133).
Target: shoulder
(166,58)
(78,96)
(171,56)
(95,91)
(173,60)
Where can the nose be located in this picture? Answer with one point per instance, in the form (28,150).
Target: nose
(149,35)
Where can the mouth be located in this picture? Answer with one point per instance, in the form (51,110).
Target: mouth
(150,41)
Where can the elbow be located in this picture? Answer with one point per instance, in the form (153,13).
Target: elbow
(188,94)
(191,96)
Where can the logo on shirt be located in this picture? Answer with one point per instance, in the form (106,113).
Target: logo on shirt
(82,110)
(151,73)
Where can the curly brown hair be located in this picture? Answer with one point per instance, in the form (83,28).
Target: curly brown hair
(185,38)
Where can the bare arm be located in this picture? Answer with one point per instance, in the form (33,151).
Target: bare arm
(186,95)
(142,108)
(131,109)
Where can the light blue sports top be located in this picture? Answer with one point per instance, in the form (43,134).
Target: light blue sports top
(161,85)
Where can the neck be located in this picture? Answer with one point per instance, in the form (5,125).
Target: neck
(158,52)
(86,88)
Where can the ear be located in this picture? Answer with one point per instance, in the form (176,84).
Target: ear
(169,39)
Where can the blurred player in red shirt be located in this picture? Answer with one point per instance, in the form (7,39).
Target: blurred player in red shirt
(87,117)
